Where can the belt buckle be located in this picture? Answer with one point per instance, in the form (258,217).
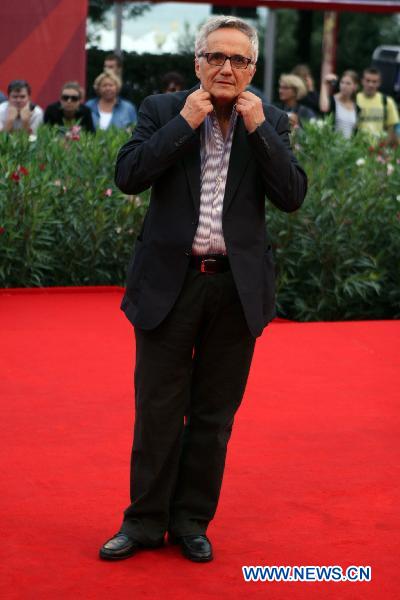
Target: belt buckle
(203,265)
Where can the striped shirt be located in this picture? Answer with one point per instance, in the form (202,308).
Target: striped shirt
(214,153)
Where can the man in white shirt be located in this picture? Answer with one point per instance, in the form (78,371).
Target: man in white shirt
(18,112)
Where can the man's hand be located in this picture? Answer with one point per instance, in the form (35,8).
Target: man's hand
(25,114)
(250,107)
(12,114)
(197,107)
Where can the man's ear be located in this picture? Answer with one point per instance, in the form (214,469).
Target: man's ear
(197,68)
(253,73)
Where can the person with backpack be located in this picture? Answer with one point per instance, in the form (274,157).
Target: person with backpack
(378,112)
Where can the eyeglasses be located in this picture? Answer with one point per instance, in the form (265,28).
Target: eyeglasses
(67,97)
(218,59)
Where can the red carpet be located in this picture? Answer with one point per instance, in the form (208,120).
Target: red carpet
(312,475)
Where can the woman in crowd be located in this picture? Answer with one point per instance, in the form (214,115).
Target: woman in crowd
(108,109)
(311,99)
(68,110)
(291,91)
(342,104)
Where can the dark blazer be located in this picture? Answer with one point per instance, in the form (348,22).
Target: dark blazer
(164,152)
(54,115)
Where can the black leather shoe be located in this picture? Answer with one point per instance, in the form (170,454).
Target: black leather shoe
(122,546)
(194,547)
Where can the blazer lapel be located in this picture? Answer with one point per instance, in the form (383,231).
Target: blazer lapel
(191,163)
(240,156)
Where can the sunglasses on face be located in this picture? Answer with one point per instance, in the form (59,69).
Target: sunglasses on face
(217,59)
(67,97)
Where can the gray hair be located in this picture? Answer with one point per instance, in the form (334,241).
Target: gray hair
(219,22)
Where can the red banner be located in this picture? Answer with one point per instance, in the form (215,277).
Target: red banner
(43,41)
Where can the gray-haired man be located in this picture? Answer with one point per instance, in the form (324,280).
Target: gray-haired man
(200,286)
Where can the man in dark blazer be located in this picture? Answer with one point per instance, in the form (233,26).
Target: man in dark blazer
(200,285)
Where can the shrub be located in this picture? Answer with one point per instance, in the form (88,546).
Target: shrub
(338,257)
(63,221)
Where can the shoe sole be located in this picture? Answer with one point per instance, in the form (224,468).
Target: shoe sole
(198,559)
(104,556)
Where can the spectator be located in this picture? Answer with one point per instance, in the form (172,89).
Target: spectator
(113,63)
(342,104)
(291,90)
(172,82)
(378,112)
(3,98)
(68,110)
(19,112)
(311,99)
(109,109)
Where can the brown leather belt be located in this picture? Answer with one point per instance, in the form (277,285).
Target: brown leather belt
(210,263)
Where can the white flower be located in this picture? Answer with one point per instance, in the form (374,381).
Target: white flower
(398,197)
(319,123)
(118,229)
(360,162)
(390,169)
(32,138)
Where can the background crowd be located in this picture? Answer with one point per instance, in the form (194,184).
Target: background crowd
(355,103)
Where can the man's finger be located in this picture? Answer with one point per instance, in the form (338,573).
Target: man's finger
(248,95)
(200,94)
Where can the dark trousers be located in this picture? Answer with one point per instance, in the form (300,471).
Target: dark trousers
(190,376)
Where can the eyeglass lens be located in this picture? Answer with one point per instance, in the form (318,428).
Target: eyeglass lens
(218,59)
(67,97)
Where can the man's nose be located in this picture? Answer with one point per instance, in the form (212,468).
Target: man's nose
(226,67)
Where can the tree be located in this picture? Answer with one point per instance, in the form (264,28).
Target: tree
(186,39)
(98,10)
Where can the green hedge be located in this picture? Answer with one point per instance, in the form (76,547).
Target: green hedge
(338,257)
(63,221)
